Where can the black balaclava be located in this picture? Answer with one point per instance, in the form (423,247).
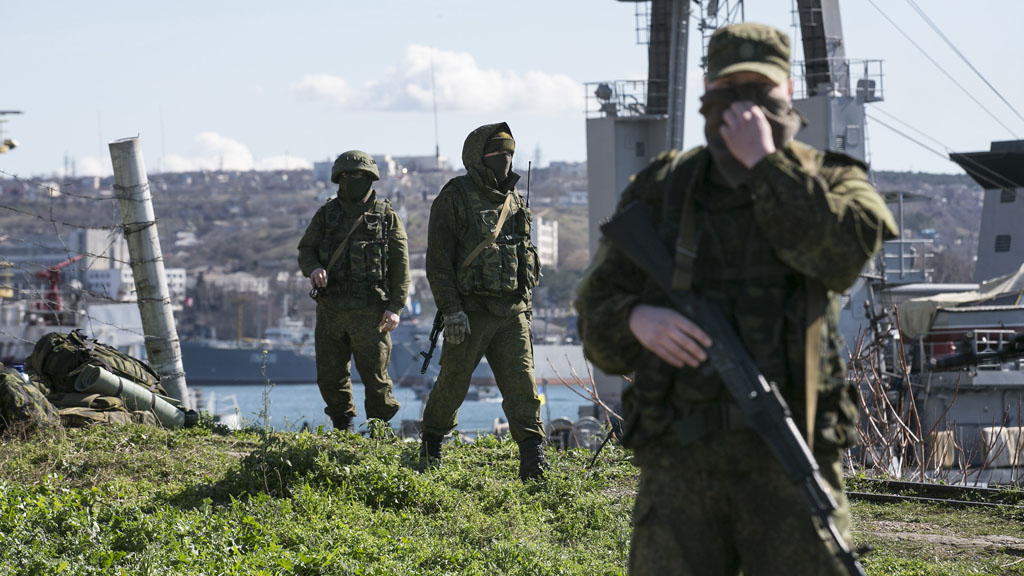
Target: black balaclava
(355,189)
(783,118)
(500,164)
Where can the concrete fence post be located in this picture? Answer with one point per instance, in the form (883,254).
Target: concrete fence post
(131,186)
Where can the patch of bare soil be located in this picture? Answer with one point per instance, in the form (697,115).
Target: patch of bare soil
(931,534)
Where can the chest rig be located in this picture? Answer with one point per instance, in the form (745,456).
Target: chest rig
(721,253)
(495,253)
(361,269)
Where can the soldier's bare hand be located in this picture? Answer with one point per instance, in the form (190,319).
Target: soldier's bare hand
(318,279)
(669,334)
(388,322)
(747,133)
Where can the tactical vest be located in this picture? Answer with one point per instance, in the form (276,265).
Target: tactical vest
(361,271)
(726,258)
(509,264)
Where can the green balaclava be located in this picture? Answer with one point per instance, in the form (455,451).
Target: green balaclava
(783,118)
(498,151)
(354,189)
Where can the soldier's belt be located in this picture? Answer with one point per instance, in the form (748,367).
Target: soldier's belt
(342,287)
(702,420)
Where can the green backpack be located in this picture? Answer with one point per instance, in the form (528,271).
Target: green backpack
(57,357)
(23,407)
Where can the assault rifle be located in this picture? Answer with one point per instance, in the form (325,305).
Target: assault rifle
(1014,348)
(435,332)
(761,403)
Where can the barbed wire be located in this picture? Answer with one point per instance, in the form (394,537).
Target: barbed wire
(33,303)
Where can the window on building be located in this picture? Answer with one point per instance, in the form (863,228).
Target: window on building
(1008,195)
(1003,243)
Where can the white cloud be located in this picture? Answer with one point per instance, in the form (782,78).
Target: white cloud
(323,87)
(283,163)
(93,166)
(212,151)
(461,84)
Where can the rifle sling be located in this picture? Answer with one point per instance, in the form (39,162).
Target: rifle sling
(494,235)
(812,355)
(341,247)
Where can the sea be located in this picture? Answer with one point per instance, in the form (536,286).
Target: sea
(291,407)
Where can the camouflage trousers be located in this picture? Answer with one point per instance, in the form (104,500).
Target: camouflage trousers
(505,341)
(722,505)
(342,334)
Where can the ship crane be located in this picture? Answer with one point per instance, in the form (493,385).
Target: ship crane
(53,301)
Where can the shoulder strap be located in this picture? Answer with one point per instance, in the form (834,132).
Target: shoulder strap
(494,233)
(344,243)
(679,199)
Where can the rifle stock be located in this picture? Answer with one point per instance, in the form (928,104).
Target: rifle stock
(761,403)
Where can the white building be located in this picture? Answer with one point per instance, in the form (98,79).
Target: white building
(574,198)
(385,165)
(422,163)
(114,283)
(238,282)
(119,284)
(544,236)
(176,282)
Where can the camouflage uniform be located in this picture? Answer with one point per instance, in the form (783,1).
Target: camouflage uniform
(774,254)
(493,290)
(370,277)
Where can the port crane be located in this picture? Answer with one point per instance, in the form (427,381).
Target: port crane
(53,301)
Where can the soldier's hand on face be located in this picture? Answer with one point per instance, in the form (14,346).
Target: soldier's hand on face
(669,334)
(318,279)
(747,132)
(456,327)
(388,322)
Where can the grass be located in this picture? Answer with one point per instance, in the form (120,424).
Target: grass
(139,500)
(136,500)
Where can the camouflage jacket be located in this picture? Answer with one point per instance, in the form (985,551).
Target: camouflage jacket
(500,278)
(375,265)
(805,223)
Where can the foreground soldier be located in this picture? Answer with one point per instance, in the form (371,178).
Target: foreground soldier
(772,231)
(357,259)
(482,267)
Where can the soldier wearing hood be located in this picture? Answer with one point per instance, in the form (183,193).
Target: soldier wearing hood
(356,256)
(772,231)
(482,268)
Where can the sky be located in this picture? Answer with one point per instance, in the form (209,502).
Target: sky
(264,85)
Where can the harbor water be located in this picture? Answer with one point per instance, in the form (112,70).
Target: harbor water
(290,407)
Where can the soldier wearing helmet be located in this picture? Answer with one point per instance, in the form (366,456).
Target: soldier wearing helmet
(772,231)
(356,255)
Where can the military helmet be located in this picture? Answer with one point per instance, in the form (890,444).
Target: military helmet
(351,161)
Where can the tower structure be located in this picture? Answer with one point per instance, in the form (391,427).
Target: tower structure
(1000,171)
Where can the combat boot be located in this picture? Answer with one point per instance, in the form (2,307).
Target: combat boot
(430,447)
(532,463)
(343,423)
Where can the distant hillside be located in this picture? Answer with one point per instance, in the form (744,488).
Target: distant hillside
(948,208)
(252,222)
